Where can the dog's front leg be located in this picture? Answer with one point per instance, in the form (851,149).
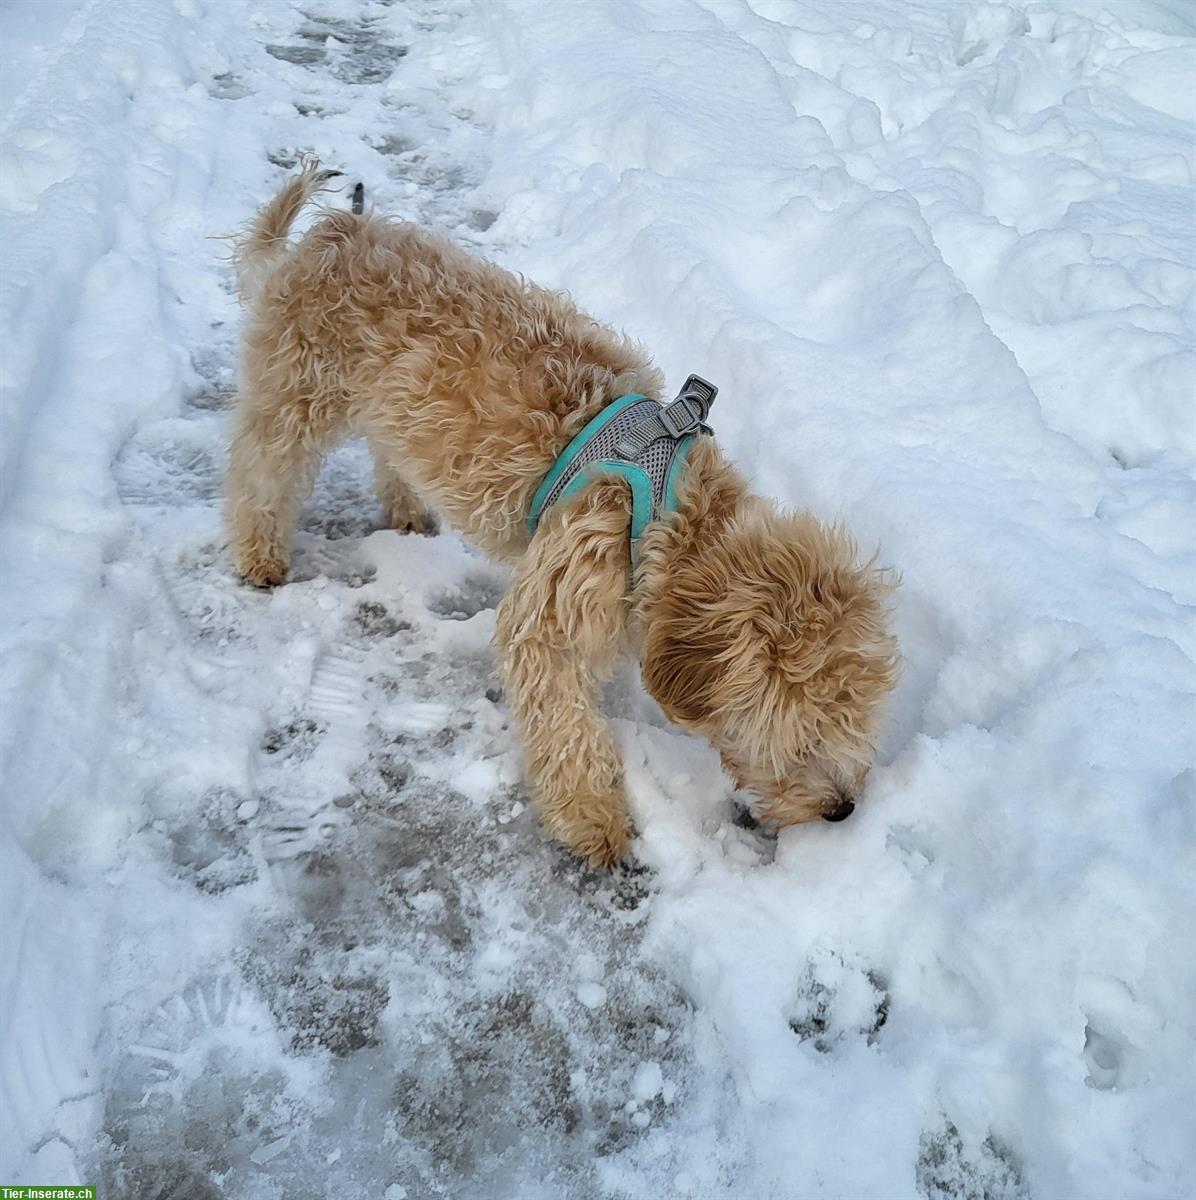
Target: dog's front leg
(559,631)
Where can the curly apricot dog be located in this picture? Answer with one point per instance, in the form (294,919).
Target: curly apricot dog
(758,629)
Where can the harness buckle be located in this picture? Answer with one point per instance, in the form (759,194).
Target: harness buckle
(690,409)
(701,390)
(683,416)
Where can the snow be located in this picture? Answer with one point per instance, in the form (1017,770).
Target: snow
(278,915)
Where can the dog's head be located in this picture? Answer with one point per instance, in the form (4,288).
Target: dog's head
(769,639)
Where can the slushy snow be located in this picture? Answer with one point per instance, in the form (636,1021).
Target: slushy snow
(278,919)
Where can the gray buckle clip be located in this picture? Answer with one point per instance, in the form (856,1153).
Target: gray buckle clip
(683,416)
(701,390)
(690,409)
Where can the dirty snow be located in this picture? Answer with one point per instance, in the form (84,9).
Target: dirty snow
(278,919)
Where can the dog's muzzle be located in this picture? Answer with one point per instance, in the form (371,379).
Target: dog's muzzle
(841,813)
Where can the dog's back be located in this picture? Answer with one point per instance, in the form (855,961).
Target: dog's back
(466,380)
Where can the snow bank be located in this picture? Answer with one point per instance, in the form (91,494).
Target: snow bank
(939,259)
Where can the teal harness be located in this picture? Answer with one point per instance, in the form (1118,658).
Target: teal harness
(635,439)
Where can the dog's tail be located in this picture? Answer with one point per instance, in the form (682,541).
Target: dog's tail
(265,237)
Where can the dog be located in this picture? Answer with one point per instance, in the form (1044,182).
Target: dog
(756,628)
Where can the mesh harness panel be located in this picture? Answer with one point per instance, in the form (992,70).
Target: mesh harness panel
(633,439)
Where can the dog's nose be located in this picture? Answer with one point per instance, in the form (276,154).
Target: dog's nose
(841,813)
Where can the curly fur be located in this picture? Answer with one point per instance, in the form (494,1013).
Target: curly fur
(756,628)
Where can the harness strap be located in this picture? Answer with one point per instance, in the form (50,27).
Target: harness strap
(685,415)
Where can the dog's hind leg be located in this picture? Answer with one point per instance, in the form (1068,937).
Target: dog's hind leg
(403,509)
(559,630)
(272,465)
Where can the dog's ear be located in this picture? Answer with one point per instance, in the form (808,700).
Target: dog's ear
(770,637)
(681,675)
(697,644)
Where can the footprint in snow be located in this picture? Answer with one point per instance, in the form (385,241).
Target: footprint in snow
(314,560)
(295,740)
(303,56)
(202,596)
(1109,1057)
(375,621)
(200,1089)
(216,387)
(228,86)
(354,54)
(210,849)
(824,1016)
(418,718)
(155,470)
(474,594)
(948,1170)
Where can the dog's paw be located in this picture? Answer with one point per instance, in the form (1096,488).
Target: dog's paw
(602,840)
(413,518)
(263,572)
(610,852)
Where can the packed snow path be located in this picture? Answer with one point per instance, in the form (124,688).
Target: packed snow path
(278,920)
